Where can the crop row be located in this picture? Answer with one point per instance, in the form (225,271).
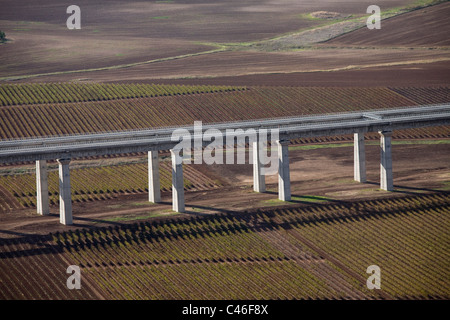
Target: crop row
(412,260)
(425,95)
(35,271)
(220,239)
(243,256)
(142,260)
(22,94)
(81,117)
(97,183)
(229,225)
(268,280)
(407,237)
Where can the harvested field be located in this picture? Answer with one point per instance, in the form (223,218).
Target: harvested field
(239,63)
(168,40)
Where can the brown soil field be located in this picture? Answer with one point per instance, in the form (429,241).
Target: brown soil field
(51,53)
(421,28)
(233,64)
(317,175)
(92,181)
(431,74)
(179,31)
(115,33)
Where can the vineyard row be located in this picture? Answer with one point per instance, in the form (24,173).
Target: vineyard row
(248,256)
(100,116)
(34,93)
(98,183)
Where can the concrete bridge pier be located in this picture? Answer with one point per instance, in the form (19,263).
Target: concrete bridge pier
(259,180)
(154,191)
(177,181)
(284,179)
(65,195)
(42,203)
(359,158)
(386,176)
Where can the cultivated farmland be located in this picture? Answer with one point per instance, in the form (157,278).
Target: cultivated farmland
(184,105)
(96,183)
(58,108)
(152,64)
(315,252)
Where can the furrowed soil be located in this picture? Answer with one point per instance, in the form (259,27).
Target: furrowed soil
(430,74)
(177,40)
(316,246)
(114,33)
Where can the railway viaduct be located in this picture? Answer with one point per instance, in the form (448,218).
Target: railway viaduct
(65,148)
